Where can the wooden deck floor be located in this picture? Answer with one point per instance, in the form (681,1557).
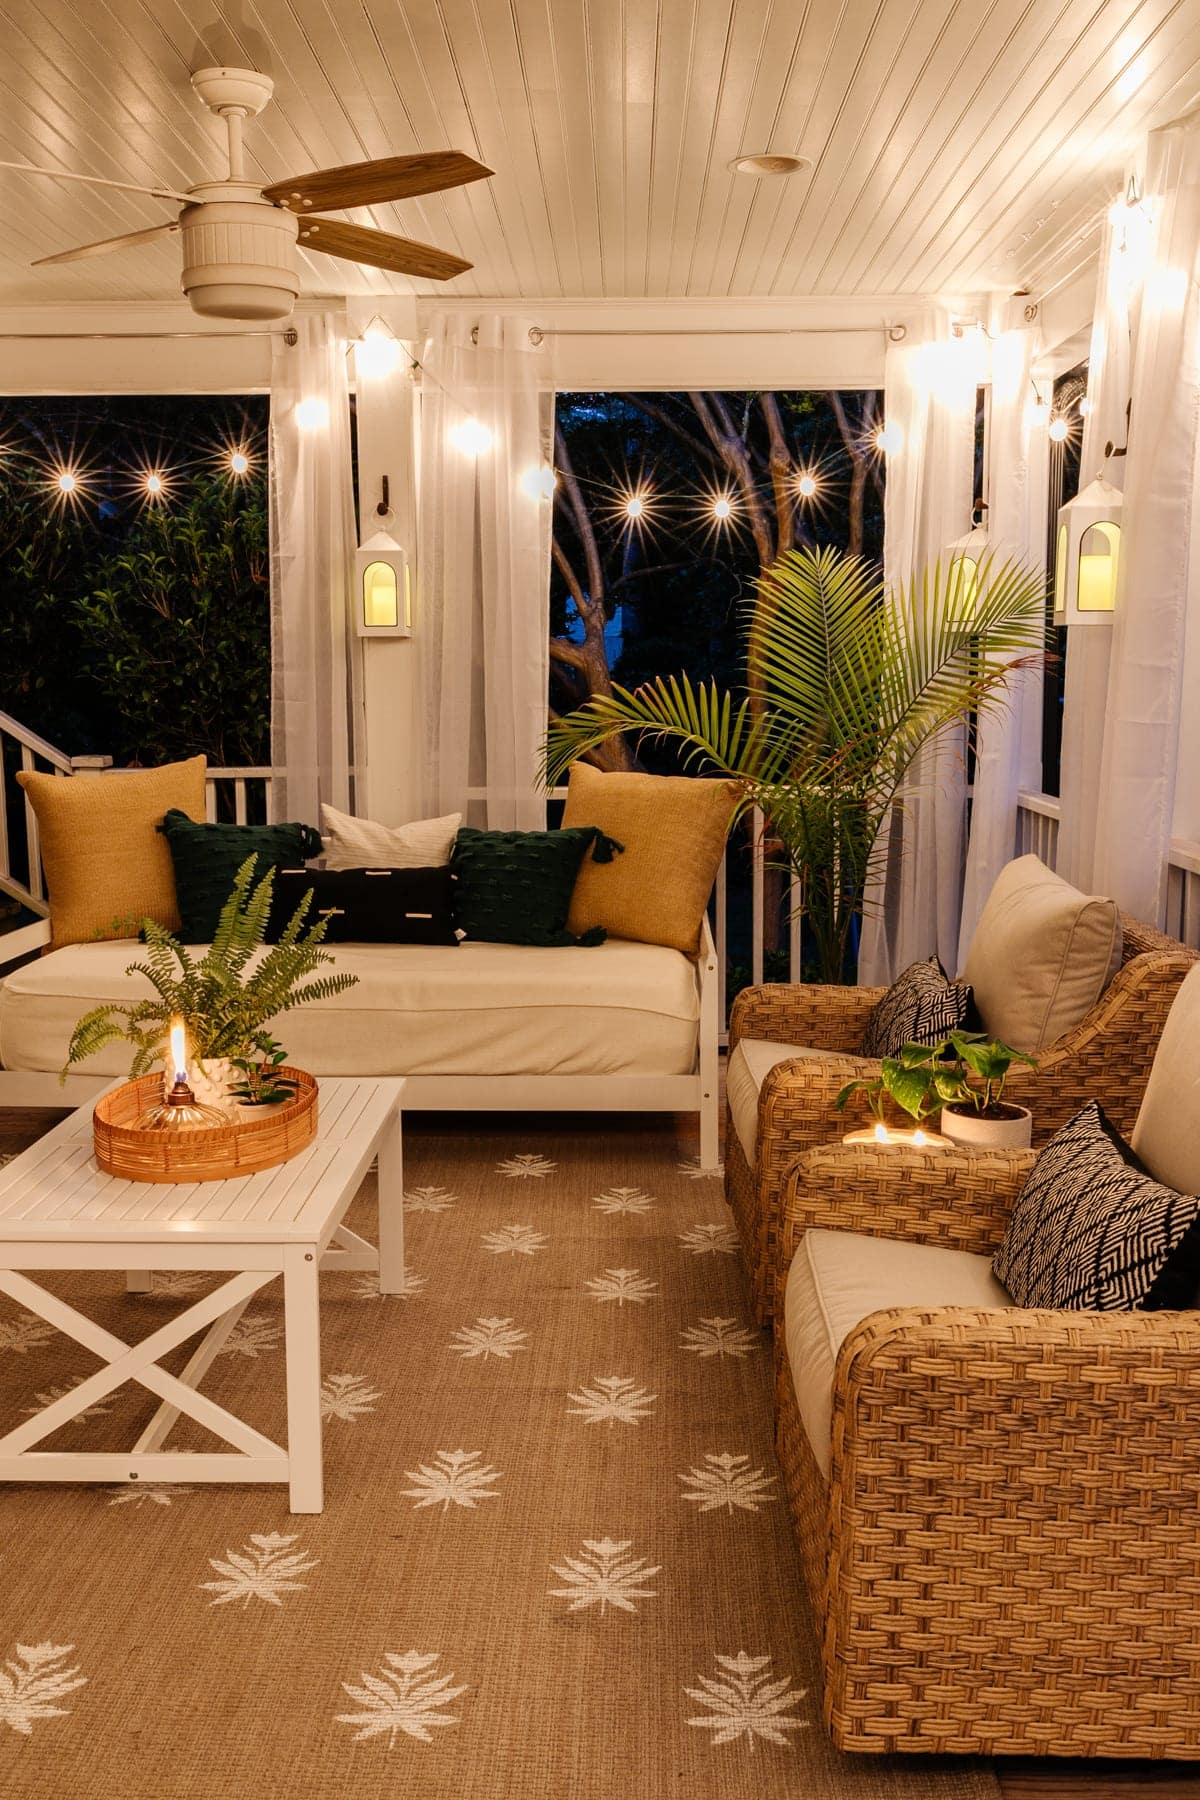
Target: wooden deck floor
(1099,1780)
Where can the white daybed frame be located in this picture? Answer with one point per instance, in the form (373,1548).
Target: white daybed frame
(692,1093)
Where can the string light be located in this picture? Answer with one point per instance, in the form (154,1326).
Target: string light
(239,462)
(540,483)
(806,485)
(313,413)
(723,508)
(471,436)
(376,352)
(67,483)
(1057,430)
(1085,407)
(635,506)
(889,438)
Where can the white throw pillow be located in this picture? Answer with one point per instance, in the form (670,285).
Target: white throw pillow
(362,844)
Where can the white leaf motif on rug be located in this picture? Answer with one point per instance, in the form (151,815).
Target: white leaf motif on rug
(178,1281)
(692,1169)
(253,1335)
(31,1680)
(429,1200)
(728,1481)
(457,1478)
(264,1570)
(623,1200)
(488,1337)
(515,1240)
(47,1396)
(719,1337)
(146,1493)
(622,1285)
(749,1703)
(347,1397)
(24,1333)
(526,1167)
(367,1286)
(406,1697)
(709,1240)
(612,1400)
(604,1576)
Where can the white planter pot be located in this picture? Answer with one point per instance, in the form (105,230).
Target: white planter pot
(976,1133)
(211,1081)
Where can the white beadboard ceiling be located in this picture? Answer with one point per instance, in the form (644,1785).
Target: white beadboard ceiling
(956,144)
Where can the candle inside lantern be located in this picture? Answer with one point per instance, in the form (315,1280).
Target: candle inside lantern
(881,1134)
(177,1032)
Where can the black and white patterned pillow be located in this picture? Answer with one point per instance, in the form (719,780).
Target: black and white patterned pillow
(922,1006)
(1093,1231)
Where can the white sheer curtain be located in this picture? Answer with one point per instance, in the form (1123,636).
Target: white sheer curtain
(483,533)
(929,390)
(1008,749)
(1089,647)
(316,702)
(1160,555)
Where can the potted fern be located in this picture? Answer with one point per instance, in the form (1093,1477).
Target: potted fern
(226,998)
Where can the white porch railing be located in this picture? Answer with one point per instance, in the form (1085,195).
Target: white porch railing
(1037,831)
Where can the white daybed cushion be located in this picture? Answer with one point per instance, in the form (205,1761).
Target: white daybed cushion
(471,1009)
(749,1066)
(837,1279)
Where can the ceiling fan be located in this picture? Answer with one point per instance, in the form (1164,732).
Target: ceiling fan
(239,240)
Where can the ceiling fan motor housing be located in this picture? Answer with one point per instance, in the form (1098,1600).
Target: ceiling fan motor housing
(239,256)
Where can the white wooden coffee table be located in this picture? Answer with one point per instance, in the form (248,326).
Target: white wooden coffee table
(59,1211)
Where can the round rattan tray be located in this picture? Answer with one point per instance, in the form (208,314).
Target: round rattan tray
(203,1155)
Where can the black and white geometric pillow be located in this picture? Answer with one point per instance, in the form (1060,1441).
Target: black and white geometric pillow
(922,1006)
(1093,1231)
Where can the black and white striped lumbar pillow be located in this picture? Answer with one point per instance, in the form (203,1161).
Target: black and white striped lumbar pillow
(922,1006)
(1092,1230)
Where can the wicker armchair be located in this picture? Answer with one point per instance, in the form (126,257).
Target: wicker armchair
(1004,1558)
(1106,1057)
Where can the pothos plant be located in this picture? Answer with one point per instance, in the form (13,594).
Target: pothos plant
(225,998)
(966,1070)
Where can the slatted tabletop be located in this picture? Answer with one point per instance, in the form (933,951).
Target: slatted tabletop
(54,1192)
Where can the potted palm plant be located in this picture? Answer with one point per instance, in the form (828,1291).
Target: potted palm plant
(846,684)
(225,999)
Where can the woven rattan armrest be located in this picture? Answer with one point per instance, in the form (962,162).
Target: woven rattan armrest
(824,1018)
(958,1199)
(1012,1510)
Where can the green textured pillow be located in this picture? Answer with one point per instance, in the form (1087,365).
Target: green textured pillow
(514,887)
(208,857)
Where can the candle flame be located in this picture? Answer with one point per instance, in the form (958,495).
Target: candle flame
(919,1136)
(178,1037)
(881,1134)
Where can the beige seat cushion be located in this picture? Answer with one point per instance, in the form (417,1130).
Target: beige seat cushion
(673,830)
(107,865)
(1167,1133)
(1042,955)
(749,1066)
(423,1009)
(839,1278)
(363,844)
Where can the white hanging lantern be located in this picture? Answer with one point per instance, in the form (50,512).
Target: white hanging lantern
(1087,555)
(964,556)
(384,588)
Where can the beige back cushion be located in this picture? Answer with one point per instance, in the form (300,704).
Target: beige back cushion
(1167,1133)
(1042,955)
(107,865)
(362,844)
(673,829)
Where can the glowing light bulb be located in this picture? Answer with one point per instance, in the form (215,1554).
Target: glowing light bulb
(1057,430)
(889,438)
(1041,412)
(540,484)
(1085,407)
(239,462)
(635,506)
(67,482)
(154,483)
(376,352)
(471,436)
(722,508)
(806,487)
(313,413)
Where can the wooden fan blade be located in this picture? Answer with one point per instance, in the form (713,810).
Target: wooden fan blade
(358,243)
(371,183)
(103,245)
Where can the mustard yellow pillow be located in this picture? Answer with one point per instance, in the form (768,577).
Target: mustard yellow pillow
(106,861)
(673,829)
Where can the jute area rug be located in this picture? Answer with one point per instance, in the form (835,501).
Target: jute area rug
(554,1561)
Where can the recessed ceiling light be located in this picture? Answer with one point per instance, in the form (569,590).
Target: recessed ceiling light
(769,162)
